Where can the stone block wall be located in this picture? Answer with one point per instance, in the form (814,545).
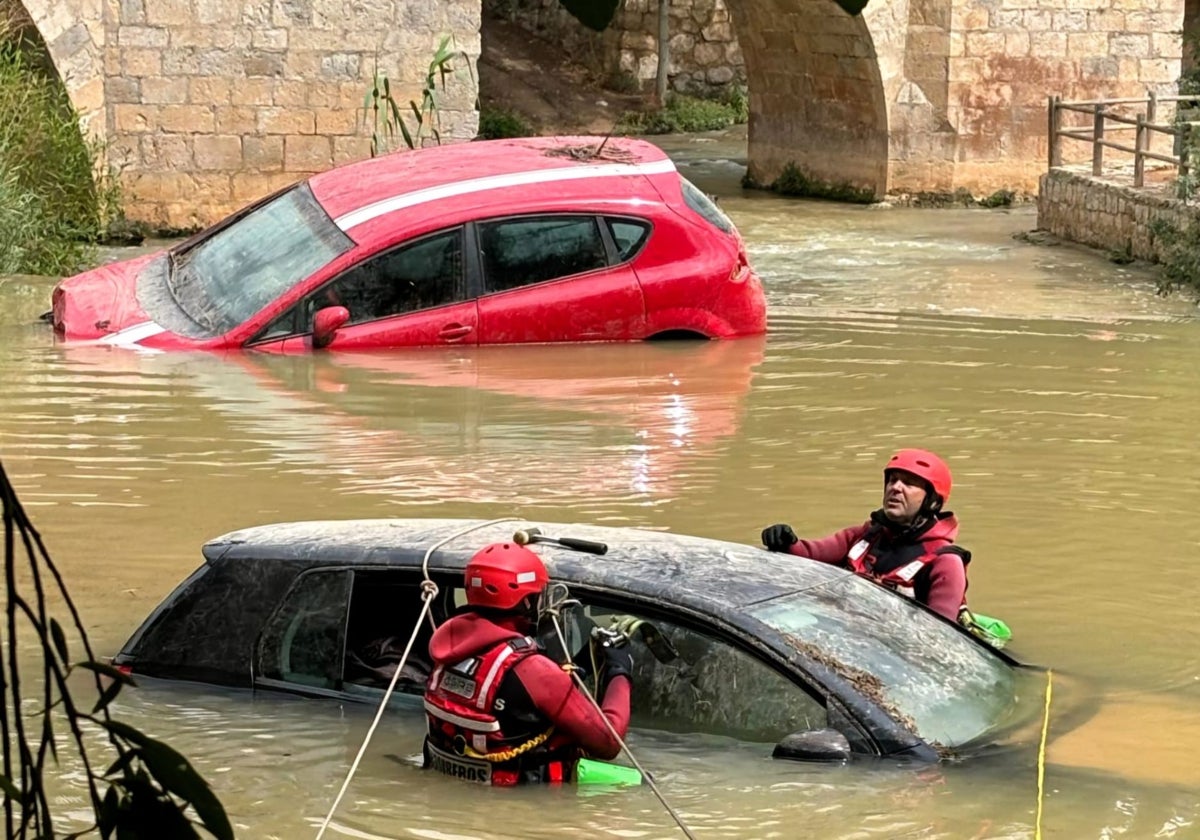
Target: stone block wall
(705,57)
(212,105)
(1005,57)
(1115,217)
(817,103)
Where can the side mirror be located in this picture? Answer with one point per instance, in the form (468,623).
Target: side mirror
(326,323)
(814,745)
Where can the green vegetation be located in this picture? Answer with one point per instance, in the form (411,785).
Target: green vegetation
(795,180)
(496,124)
(1179,255)
(148,789)
(1179,244)
(1000,198)
(689,114)
(55,201)
(385,111)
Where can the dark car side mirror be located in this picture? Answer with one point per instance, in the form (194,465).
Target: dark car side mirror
(814,745)
(326,323)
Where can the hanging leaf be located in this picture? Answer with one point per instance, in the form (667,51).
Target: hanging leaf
(106,814)
(594,14)
(60,640)
(121,763)
(107,696)
(107,670)
(177,776)
(10,790)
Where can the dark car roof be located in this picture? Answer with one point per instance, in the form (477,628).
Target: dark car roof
(711,575)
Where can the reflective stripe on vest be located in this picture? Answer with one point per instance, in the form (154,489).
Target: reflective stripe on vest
(461,698)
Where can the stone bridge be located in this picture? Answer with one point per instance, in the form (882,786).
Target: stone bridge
(206,106)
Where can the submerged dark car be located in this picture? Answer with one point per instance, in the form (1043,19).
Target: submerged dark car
(762,648)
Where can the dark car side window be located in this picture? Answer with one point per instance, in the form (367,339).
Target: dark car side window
(629,236)
(520,252)
(712,687)
(303,642)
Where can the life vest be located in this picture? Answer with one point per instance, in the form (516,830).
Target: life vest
(897,567)
(466,737)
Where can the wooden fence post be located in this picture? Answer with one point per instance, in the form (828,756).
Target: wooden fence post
(1054,118)
(1139,145)
(1097,138)
(1185,140)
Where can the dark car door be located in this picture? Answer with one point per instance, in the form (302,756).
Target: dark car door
(412,295)
(553,278)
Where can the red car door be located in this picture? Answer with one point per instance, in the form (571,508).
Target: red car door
(455,323)
(548,278)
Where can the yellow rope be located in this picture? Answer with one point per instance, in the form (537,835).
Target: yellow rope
(505,755)
(1041,767)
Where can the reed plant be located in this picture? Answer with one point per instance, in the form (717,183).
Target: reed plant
(387,116)
(138,787)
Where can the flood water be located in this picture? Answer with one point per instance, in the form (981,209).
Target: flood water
(1063,392)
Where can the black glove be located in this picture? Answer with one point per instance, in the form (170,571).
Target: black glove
(779,537)
(617,661)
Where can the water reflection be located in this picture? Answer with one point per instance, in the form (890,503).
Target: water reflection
(418,426)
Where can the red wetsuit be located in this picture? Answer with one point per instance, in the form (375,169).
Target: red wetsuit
(941,581)
(529,694)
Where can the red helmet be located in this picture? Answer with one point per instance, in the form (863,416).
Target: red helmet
(500,575)
(923,464)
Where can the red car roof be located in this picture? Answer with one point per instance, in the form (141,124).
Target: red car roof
(349,192)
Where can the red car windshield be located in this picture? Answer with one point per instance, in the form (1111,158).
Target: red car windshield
(231,274)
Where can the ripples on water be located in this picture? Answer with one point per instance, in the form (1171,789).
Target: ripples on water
(1060,387)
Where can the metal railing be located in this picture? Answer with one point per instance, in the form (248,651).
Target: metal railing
(1107,121)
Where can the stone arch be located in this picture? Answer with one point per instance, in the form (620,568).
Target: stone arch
(817,98)
(74,34)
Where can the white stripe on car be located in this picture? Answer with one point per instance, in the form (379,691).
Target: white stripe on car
(131,336)
(496,182)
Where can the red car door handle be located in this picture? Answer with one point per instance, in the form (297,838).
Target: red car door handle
(454,331)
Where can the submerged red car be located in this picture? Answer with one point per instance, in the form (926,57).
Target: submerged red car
(508,241)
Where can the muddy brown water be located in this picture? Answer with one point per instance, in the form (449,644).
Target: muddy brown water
(1062,390)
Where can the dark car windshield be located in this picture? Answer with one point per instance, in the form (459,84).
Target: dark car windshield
(230,275)
(926,672)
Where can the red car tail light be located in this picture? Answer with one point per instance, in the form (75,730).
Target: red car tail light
(741,271)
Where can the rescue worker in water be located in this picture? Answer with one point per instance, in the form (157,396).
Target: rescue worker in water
(907,545)
(500,711)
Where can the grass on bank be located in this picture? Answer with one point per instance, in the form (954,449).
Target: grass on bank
(686,114)
(53,208)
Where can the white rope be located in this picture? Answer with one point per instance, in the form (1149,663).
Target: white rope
(613,730)
(429,591)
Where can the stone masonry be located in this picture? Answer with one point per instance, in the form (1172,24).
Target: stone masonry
(1078,207)
(206,106)
(704,57)
(914,96)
